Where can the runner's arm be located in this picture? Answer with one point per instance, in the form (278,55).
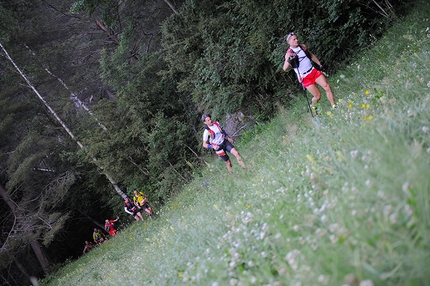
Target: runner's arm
(287,65)
(127,211)
(206,143)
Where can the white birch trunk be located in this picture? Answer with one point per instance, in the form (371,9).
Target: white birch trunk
(114,184)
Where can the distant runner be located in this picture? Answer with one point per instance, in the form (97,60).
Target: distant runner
(109,226)
(132,209)
(98,236)
(140,200)
(88,246)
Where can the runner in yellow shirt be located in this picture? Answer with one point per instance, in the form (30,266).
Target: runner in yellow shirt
(140,200)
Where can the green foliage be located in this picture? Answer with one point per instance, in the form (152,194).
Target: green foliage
(228,53)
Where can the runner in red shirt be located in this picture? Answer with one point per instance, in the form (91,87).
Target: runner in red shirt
(109,226)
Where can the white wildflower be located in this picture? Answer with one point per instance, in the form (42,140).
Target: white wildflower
(408,210)
(323,279)
(367,282)
(233,282)
(333,238)
(425,129)
(393,218)
(324,218)
(387,210)
(354,154)
(405,187)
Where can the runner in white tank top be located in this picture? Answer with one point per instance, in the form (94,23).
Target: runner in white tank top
(306,74)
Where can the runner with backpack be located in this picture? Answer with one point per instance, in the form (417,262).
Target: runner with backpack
(140,200)
(214,137)
(109,226)
(300,59)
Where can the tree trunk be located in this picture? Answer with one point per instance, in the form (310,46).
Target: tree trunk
(41,255)
(171,6)
(117,189)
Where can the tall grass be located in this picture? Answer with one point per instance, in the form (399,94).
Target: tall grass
(341,201)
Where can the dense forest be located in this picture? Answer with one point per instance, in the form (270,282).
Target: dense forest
(100,97)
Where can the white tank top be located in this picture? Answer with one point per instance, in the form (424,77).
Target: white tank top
(305,66)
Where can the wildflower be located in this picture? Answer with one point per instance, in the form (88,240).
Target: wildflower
(291,258)
(324,218)
(369,183)
(323,279)
(425,129)
(405,188)
(410,113)
(310,158)
(253,280)
(354,154)
(367,92)
(333,238)
(387,209)
(329,113)
(393,218)
(408,210)
(367,282)
(350,105)
(233,282)
(179,275)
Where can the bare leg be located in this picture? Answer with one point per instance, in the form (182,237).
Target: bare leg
(228,164)
(313,89)
(237,155)
(322,81)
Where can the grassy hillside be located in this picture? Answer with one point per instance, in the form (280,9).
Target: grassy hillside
(342,200)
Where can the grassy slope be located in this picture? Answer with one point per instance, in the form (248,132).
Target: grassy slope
(319,204)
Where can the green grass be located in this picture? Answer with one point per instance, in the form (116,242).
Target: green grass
(346,199)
